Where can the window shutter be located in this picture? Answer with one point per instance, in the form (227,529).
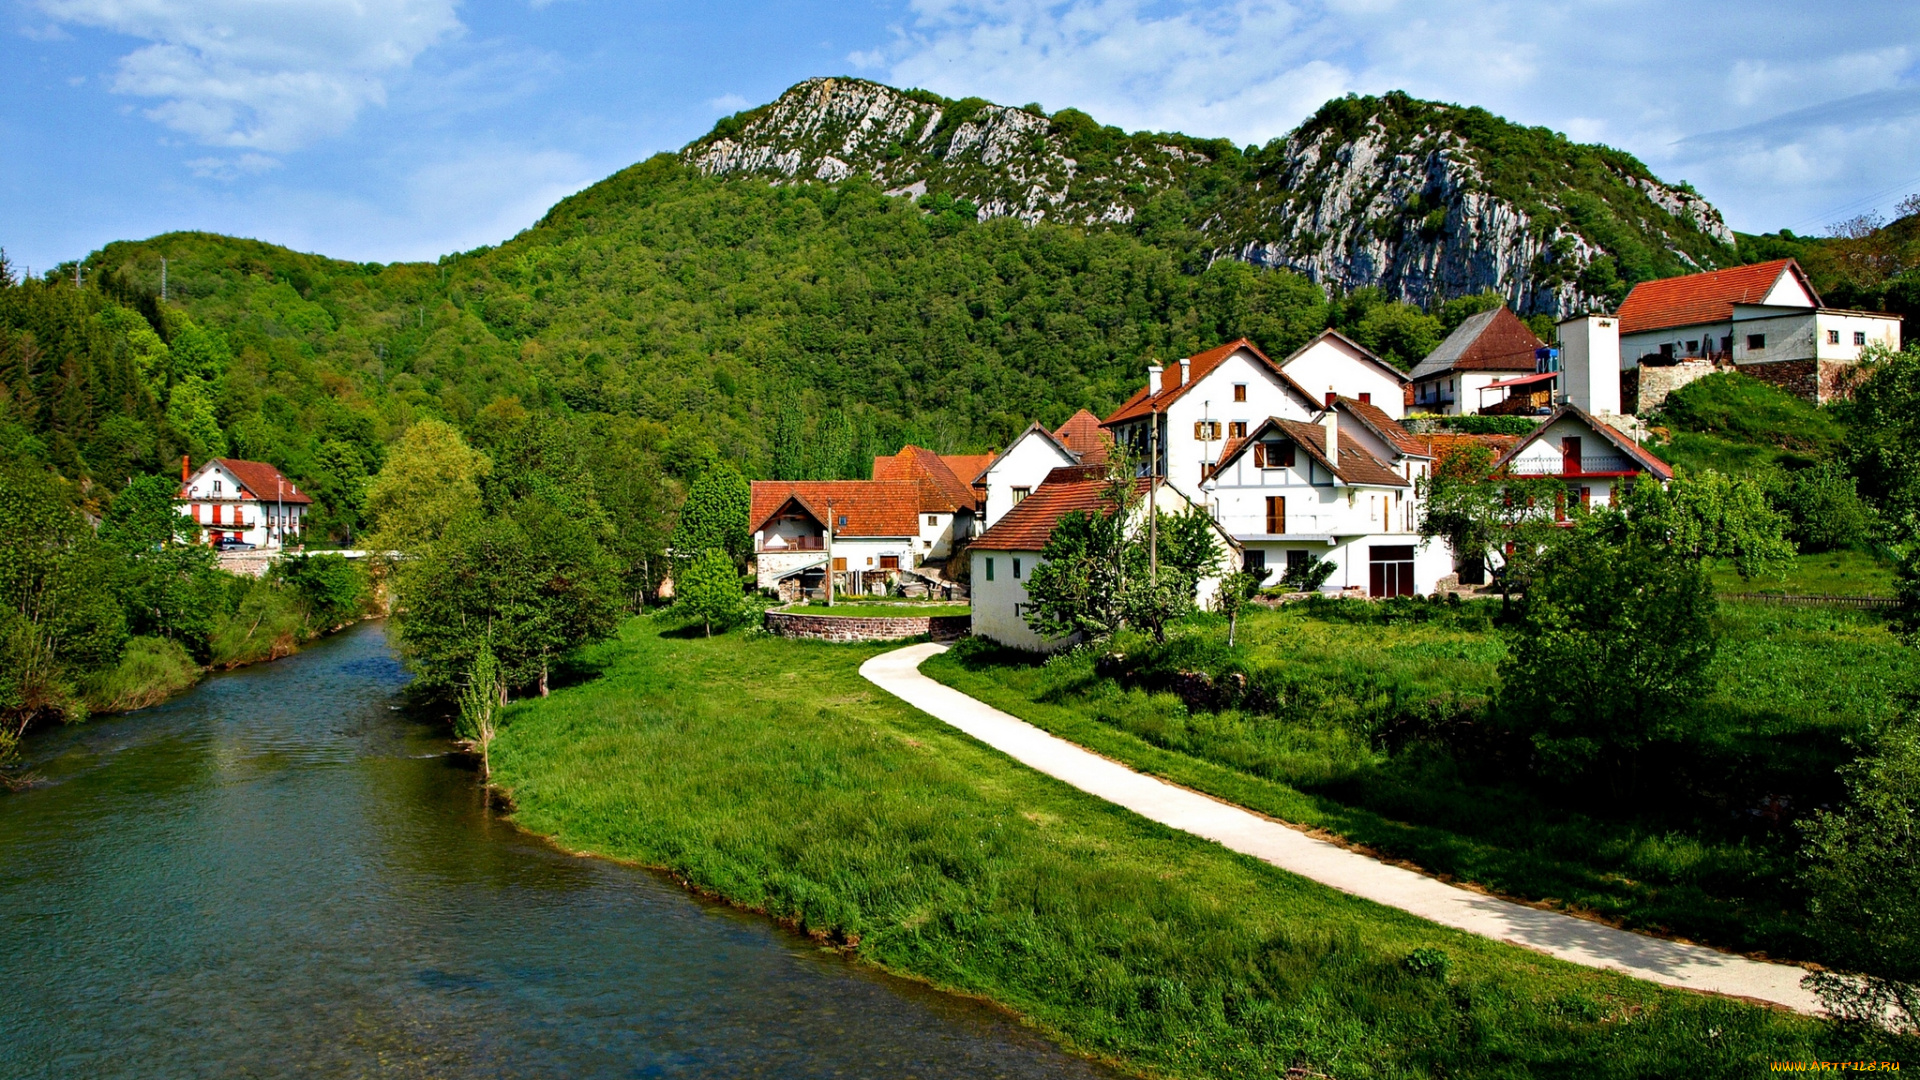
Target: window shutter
(1259,455)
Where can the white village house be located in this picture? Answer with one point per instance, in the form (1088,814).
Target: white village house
(1479,365)
(1004,557)
(1592,457)
(246,502)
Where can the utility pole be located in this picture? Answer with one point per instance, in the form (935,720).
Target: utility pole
(829,553)
(1153,497)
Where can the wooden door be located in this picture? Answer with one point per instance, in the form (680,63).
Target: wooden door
(1276,515)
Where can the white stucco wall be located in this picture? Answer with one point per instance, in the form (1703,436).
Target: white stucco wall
(1331,363)
(998,601)
(1025,464)
(1212,398)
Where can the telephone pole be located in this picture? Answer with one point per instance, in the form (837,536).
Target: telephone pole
(829,553)
(1153,496)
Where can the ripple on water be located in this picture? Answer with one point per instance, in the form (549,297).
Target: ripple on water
(281,875)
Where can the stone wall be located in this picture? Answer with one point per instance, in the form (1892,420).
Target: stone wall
(857,628)
(1644,388)
(1818,381)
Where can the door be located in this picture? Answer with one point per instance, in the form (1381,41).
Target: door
(1390,570)
(1570,455)
(889,562)
(1276,515)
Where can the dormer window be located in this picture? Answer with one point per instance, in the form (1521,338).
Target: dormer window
(1020,494)
(843,522)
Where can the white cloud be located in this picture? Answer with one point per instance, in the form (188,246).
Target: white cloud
(729,103)
(1731,95)
(220,168)
(263,76)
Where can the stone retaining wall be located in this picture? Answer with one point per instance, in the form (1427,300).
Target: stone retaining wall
(794,624)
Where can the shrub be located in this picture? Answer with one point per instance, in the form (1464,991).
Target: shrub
(152,670)
(1429,963)
(1824,509)
(1309,576)
(332,589)
(710,590)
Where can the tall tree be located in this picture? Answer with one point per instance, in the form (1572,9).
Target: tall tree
(714,517)
(431,480)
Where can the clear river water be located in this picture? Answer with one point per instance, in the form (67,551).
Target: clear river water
(283,873)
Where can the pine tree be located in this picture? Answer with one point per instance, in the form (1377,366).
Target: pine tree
(789,450)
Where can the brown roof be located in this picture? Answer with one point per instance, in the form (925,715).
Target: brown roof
(1027,526)
(1606,431)
(262,481)
(1083,435)
(1200,366)
(1389,429)
(968,467)
(871,507)
(1491,341)
(1704,298)
(1445,444)
(941,490)
(1356,465)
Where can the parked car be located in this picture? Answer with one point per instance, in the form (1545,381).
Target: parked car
(231,544)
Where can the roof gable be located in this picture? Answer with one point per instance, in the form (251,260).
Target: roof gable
(941,490)
(1709,297)
(889,508)
(1490,341)
(257,479)
(1389,430)
(1605,431)
(1083,436)
(1356,465)
(1349,346)
(1200,366)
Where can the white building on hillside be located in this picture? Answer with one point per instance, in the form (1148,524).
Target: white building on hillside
(1592,457)
(243,502)
(1333,363)
(1004,557)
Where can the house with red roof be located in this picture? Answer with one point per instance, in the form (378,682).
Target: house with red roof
(1003,558)
(866,531)
(1595,459)
(1333,363)
(1488,351)
(243,502)
(1342,487)
(1015,472)
(1764,320)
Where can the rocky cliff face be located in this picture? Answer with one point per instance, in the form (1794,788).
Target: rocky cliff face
(1423,201)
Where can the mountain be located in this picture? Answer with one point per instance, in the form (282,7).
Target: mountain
(1422,200)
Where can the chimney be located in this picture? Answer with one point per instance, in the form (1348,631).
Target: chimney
(1332,396)
(1186,372)
(1331,421)
(184,475)
(1153,378)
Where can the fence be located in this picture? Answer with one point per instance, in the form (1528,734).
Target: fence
(1877,603)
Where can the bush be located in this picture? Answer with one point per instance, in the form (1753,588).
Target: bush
(152,670)
(1824,509)
(331,588)
(1486,425)
(1612,652)
(1309,576)
(709,590)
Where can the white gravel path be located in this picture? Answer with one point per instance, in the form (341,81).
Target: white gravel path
(1579,941)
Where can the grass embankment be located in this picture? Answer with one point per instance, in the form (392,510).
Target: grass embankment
(1376,730)
(768,773)
(1835,573)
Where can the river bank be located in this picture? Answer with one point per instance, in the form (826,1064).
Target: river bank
(765,772)
(287,872)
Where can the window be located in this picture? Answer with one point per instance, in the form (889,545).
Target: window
(1693,348)
(989,568)
(1297,560)
(1016,568)
(889,562)
(1206,430)
(1237,429)
(1276,515)
(1020,494)
(1366,399)
(839,565)
(869,560)
(1239,391)
(1274,455)
(1833,337)
(1726,344)
(216,487)
(1254,562)
(1666,351)
(1756,342)
(843,522)
(1859,337)
(933,519)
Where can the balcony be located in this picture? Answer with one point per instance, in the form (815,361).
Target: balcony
(792,543)
(1304,525)
(1570,466)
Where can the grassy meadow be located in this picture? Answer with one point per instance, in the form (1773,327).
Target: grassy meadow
(1369,721)
(765,771)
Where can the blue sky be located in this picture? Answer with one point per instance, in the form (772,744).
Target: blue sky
(406,129)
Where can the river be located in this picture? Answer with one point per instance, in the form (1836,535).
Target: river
(282,873)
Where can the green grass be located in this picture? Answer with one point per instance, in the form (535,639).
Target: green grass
(1377,732)
(1738,424)
(1835,573)
(767,772)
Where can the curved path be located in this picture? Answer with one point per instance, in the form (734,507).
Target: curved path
(1579,941)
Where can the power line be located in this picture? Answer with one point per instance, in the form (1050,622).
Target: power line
(1855,204)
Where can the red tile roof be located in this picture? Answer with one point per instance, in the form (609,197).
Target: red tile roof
(1447,443)
(262,481)
(1027,526)
(968,467)
(1389,429)
(1704,298)
(1083,435)
(1356,465)
(942,491)
(1171,387)
(871,507)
